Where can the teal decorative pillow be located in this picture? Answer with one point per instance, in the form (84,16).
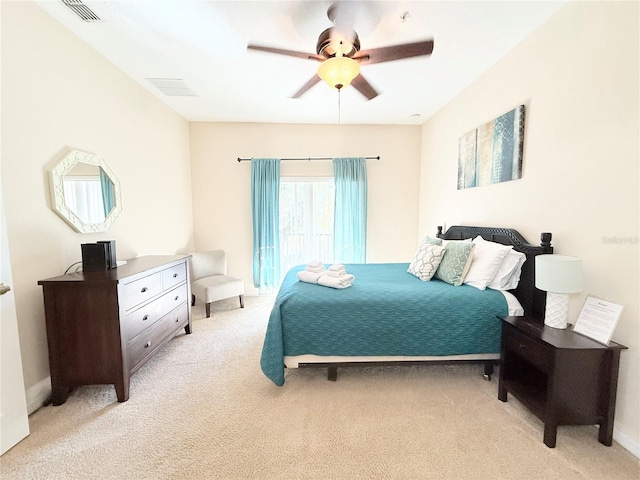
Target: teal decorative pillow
(426,261)
(456,262)
(432,241)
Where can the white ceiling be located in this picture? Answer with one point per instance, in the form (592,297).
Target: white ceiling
(205,44)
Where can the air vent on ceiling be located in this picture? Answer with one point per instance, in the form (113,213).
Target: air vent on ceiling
(80,9)
(173,87)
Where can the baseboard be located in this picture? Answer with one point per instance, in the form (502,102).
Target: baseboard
(626,442)
(38,395)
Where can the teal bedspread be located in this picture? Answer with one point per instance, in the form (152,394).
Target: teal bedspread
(386,312)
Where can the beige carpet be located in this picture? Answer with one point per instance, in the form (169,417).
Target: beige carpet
(202,409)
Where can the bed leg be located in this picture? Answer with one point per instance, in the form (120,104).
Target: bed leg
(332,373)
(488,371)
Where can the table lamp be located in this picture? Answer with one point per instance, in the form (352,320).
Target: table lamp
(558,275)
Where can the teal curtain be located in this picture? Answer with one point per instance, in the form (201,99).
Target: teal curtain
(108,202)
(265,194)
(350,210)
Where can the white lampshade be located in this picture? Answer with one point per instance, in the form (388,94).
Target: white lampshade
(338,72)
(559,273)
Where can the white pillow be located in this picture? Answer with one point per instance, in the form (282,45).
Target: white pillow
(426,261)
(487,258)
(508,275)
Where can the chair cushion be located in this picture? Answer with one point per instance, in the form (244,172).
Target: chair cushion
(217,287)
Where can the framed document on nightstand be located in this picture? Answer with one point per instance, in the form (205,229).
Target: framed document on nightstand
(598,319)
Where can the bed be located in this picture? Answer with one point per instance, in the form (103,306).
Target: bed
(389,316)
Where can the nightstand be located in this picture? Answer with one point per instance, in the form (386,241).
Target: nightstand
(564,378)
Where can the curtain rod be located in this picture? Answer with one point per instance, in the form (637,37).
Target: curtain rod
(308,158)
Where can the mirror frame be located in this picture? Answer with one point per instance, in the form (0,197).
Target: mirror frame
(60,169)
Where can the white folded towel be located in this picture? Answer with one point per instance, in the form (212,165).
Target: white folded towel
(309,277)
(319,269)
(336,282)
(335,274)
(337,267)
(314,264)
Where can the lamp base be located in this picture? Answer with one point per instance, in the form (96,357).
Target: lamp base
(555,314)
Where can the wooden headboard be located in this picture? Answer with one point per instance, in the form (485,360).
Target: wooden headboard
(532,300)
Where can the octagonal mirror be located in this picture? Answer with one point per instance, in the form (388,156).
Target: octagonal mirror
(85,192)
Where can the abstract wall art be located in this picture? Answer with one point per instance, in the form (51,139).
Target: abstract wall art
(492,153)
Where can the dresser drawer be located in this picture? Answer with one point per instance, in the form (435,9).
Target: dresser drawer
(150,339)
(174,276)
(145,316)
(527,348)
(179,316)
(141,290)
(142,318)
(175,297)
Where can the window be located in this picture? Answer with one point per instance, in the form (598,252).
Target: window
(306,221)
(83,196)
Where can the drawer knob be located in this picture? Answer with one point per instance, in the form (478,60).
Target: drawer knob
(148,344)
(146,317)
(177,320)
(177,297)
(144,290)
(175,275)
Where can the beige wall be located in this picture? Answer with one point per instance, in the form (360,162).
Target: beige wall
(578,77)
(221,185)
(59,94)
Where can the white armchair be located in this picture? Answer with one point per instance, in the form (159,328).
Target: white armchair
(209,279)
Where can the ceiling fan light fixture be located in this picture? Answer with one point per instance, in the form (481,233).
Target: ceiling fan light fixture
(338,72)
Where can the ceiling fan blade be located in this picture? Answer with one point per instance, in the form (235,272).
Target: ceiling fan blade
(315,79)
(290,53)
(364,87)
(394,52)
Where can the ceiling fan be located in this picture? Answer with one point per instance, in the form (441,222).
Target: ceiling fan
(338,50)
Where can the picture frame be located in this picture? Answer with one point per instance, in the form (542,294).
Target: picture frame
(492,153)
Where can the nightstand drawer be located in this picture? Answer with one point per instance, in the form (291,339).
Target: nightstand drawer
(527,348)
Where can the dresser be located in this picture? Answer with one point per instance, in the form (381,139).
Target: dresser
(103,326)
